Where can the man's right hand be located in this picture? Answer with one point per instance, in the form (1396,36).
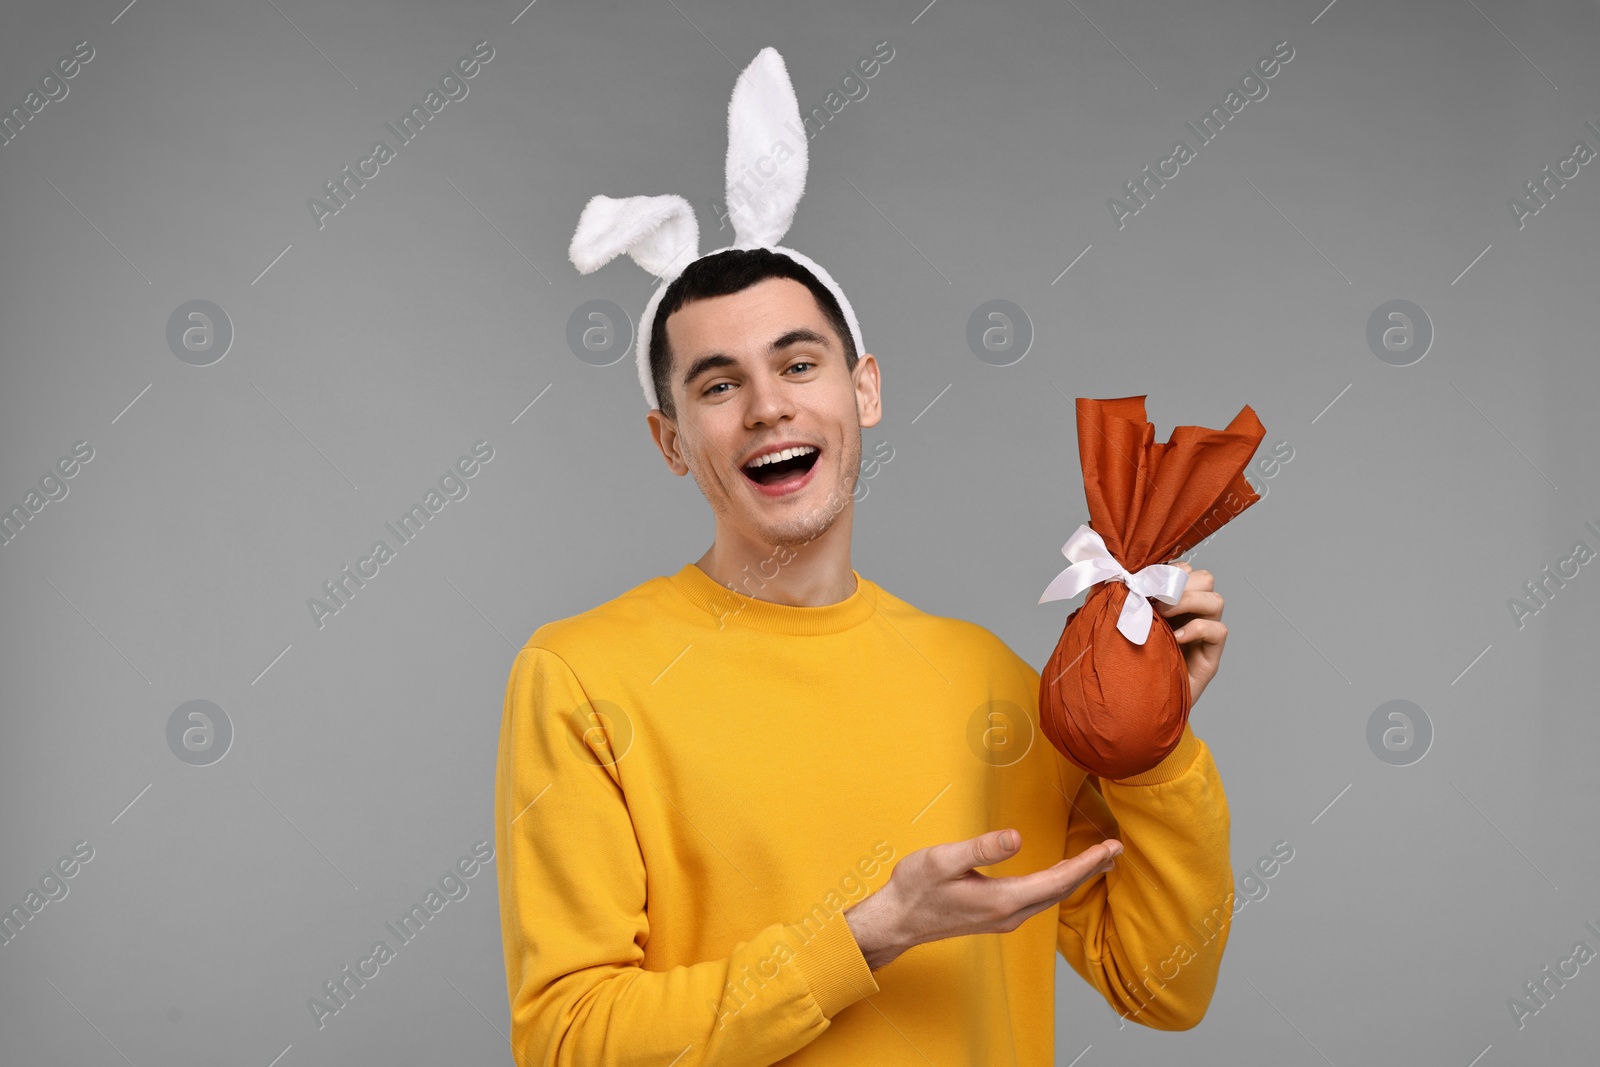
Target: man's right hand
(936,892)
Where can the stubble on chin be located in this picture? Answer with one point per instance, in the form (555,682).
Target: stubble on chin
(819,518)
(799,530)
(792,531)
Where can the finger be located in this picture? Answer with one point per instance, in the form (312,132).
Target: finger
(956,858)
(1194,602)
(1065,888)
(1205,631)
(1033,909)
(1027,890)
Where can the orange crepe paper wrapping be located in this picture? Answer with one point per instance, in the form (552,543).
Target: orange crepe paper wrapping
(1113,707)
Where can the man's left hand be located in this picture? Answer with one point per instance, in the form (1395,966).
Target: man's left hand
(1197,623)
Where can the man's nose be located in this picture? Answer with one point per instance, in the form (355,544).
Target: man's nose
(769,401)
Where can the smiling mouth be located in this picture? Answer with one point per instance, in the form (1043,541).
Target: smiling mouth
(783,472)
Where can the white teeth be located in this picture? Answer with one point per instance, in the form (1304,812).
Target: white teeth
(775,457)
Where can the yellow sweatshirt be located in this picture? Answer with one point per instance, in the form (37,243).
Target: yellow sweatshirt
(693,784)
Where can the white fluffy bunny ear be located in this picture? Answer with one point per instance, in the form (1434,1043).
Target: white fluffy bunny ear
(766,169)
(659,232)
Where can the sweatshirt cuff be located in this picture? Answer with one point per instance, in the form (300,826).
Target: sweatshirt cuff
(833,966)
(1179,760)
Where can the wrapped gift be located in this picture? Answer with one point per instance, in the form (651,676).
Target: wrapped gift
(1114,696)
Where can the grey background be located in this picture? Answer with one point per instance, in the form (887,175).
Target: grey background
(432,310)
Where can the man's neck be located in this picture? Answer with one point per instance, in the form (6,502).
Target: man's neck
(813,574)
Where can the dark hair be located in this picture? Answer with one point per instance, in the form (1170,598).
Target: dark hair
(731,271)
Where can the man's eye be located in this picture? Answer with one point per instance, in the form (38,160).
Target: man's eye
(804,364)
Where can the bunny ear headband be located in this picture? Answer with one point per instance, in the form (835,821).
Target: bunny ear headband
(765,176)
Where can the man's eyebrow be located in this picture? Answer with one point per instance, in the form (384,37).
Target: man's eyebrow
(799,335)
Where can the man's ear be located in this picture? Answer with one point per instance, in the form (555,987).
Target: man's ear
(869,398)
(665,433)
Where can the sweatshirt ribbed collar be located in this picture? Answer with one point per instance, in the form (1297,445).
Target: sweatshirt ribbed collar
(733,608)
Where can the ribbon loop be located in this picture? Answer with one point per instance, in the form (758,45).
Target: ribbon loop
(1093,563)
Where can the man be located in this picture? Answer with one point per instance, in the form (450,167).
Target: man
(700,781)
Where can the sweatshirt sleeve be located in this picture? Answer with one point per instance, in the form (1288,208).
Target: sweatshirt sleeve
(1149,935)
(574,917)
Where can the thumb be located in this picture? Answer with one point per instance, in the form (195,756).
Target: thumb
(994,846)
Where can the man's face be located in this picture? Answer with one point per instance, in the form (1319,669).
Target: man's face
(752,371)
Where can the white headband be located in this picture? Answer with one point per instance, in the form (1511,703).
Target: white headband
(660,232)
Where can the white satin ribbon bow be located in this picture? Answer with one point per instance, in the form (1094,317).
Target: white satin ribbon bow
(1092,562)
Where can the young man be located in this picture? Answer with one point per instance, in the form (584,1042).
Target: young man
(701,781)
